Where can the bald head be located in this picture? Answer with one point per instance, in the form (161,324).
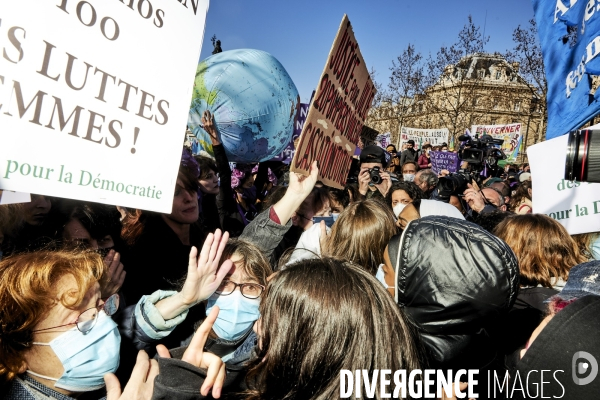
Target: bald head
(494,198)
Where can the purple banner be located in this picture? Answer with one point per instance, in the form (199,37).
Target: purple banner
(443,160)
(288,153)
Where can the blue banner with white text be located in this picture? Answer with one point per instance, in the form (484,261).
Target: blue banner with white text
(570,38)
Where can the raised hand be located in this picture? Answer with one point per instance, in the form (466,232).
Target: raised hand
(114,277)
(195,355)
(203,278)
(302,185)
(204,275)
(141,383)
(208,123)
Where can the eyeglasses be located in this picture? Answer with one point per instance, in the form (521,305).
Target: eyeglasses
(303,217)
(248,290)
(87,319)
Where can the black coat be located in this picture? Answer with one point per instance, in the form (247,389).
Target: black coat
(455,281)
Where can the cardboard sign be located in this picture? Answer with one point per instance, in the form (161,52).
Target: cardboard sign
(443,160)
(338,112)
(288,153)
(95,96)
(510,134)
(434,136)
(368,136)
(576,205)
(570,60)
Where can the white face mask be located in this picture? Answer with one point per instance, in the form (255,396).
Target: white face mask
(398,209)
(408,177)
(381,277)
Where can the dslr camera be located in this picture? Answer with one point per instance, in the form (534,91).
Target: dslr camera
(375,175)
(482,157)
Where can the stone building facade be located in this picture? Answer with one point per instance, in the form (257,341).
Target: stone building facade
(481,89)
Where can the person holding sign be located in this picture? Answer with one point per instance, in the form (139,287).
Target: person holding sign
(373,181)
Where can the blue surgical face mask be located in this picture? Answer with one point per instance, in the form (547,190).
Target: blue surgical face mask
(596,248)
(237,314)
(86,358)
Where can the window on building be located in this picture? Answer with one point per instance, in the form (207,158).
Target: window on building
(475,101)
(493,121)
(481,74)
(498,74)
(517,106)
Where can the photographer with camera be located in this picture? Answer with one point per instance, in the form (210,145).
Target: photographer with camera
(373,181)
(484,201)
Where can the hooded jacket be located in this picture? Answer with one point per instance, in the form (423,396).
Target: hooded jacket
(455,281)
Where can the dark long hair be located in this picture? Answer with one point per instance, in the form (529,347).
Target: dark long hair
(321,316)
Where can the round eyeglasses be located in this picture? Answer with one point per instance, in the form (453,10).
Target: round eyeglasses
(87,319)
(248,290)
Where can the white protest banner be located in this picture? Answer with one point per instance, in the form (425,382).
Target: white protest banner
(509,133)
(95,96)
(576,205)
(337,113)
(434,136)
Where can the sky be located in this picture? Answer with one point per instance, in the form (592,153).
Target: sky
(300,34)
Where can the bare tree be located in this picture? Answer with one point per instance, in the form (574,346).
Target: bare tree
(528,53)
(406,81)
(451,99)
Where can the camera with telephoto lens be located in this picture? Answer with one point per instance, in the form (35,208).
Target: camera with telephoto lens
(375,176)
(583,156)
(482,159)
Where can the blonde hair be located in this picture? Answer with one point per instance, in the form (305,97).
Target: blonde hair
(361,234)
(543,247)
(28,289)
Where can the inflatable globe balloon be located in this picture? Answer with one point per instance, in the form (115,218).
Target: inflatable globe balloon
(254,102)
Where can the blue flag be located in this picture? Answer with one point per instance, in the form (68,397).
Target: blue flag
(570,37)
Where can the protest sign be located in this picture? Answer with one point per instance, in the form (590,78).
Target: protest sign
(288,153)
(568,32)
(95,95)
(338,112)
(510,134)
(434,136)
(368,136)
(443,160)
(576,205)
(383,140)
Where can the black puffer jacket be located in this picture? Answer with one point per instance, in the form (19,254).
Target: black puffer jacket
(455,281)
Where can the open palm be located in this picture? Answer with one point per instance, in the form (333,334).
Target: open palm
(204,275)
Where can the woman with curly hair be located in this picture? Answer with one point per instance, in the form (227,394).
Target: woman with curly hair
(520,203)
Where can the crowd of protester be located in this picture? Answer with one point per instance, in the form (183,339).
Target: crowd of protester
(265,284)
